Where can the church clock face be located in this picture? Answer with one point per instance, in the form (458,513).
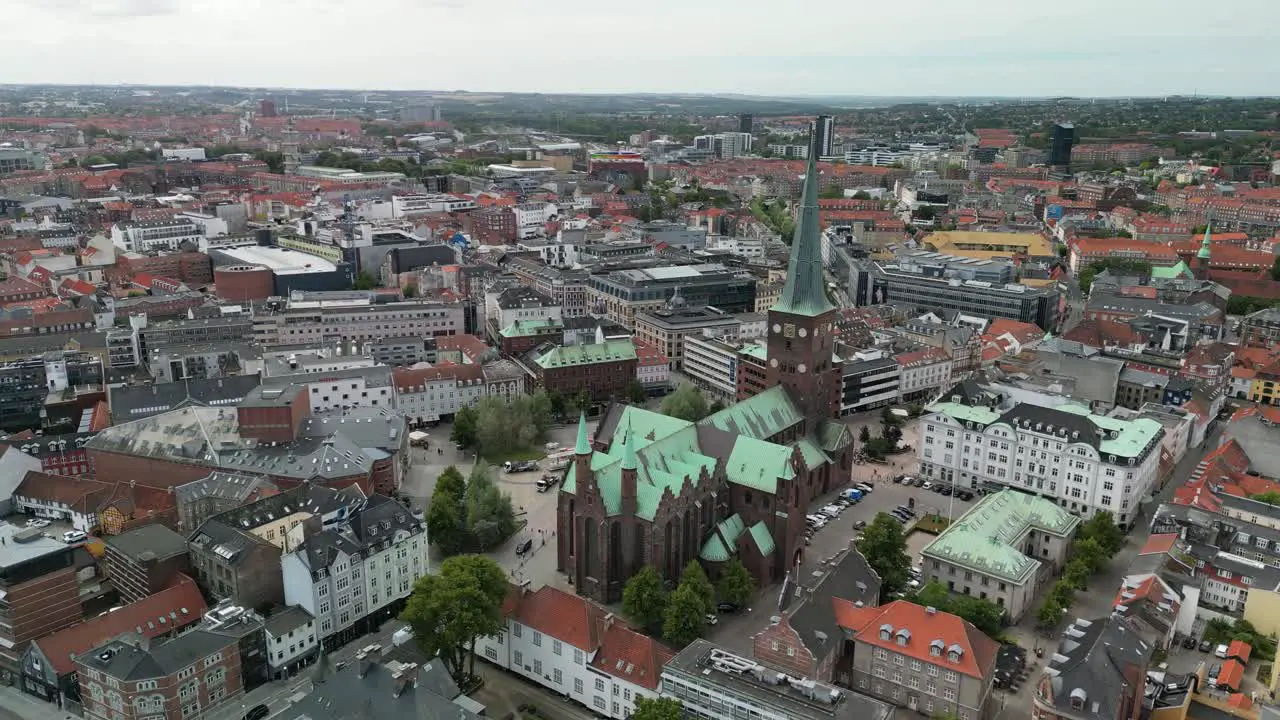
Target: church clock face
(777,328)
(789,330)
(801,368)
(803,332)
(773,362)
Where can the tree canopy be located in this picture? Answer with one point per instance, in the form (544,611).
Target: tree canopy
(662,708)
(469,515)
(885,548)
(448,611)
(685,617)
(735,584)
(644,599)
(686,403)
(984,614)
(507,425)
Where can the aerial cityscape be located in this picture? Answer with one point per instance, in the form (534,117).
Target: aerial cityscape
(671,401)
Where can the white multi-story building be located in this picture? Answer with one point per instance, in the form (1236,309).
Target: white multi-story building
(210,225)
(409,205)
(712,364)
(356,568)
(532,218)
(578,650)
(291,639)
(924,374)
(151,236)
(326,322)
(1085,462)
(368,387)
(427,394)
(748,247)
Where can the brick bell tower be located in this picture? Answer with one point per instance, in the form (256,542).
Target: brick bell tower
(802,324)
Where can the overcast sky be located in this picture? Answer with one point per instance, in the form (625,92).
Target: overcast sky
(837,47)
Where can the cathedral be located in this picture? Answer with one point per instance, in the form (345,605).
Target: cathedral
(649,489)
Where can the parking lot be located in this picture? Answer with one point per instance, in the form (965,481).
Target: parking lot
(737,632)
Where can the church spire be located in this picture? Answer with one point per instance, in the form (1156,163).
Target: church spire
(805,292)
(584,443)
(629,461)
(1204,244)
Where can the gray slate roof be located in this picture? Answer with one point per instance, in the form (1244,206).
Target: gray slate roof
(135,402)
(1092,661)
(812,613)
(156,539)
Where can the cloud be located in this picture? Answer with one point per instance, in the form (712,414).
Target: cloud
(112,8)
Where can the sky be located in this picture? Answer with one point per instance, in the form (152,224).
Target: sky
(808,47)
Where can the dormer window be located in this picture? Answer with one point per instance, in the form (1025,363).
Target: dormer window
(1078,698)
(886,632)
(935,648)
(953,656)
(903,636)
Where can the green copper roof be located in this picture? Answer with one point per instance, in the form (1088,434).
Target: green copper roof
(1177,271)
(834,436)
(759,416)
(583,446)
(756,350)
(806,290)
(1204,244)
(763,538)
(1131,436)
(812,454)
(568,356)
(723,541)
(526,328)
(758,464)
(988,538)
(980,414)
(667,457)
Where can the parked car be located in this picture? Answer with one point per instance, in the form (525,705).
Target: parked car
(1221,652)
(899,516)
(1205,646)
(712,619)
(864,487)
(832,511)
(935,488)
(965,495)
(946,490)
(860,525)
(815,521)
(726,607)
(71,537)
(516,466)
(906,510)
(1189,642)
(37,523)
(525,546)
(920,482)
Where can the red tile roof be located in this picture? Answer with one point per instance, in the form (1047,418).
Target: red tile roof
(406,379)
(977,651)
(173,608)
(1240,650)
(80,494)
(1231,675)
(471,346)
(619,650)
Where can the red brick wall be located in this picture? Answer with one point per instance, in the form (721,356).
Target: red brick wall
(157,472)
(601,380)
(791,656)
(38,607)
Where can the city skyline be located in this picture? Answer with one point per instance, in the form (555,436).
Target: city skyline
(993,49)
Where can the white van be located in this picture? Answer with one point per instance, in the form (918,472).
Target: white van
(74,536)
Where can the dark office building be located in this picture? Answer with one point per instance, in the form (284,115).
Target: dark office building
(1060,142)
(824,135)
(745,122)
(23,391)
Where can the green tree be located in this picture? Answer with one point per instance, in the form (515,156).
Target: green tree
(410,290)
(736,584)
(695,577)
(449,610)
(1050,614)
(464,428)
(716,407)
(637,393)
(490,517)
(658,709)
(864,435)
(1270,497)
(366,281)
(885,549)
(685,403)
(1102,527)
(1077,574)
(446,516)
(686,616)
(935,595)
(984,614)
(1063,593)
(644,599)
(582,401)
(1090,552)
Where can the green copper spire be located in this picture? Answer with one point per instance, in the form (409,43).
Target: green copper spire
(1204,245)
(806,290)
(584,443)
(629,460)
